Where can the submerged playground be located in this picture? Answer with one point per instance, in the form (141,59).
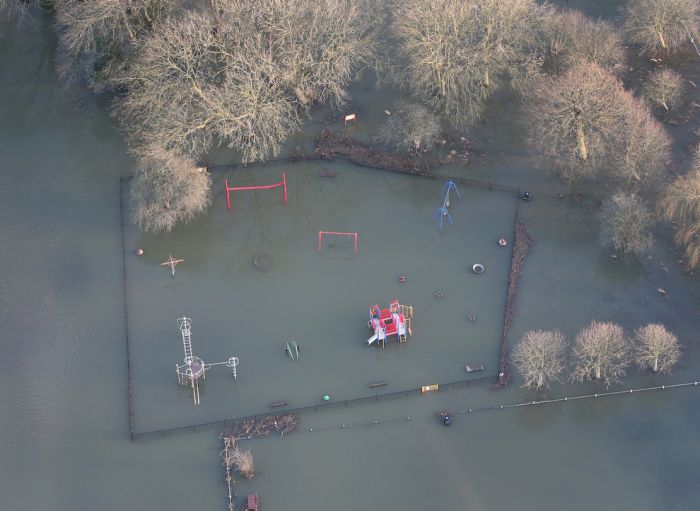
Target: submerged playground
(313,282)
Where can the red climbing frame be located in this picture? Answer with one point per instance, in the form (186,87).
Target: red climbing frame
(322,233)
(282,184)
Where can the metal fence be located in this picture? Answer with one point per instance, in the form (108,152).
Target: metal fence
(332,405)
(221,424)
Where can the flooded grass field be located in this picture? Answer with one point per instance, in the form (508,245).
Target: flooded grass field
(65,432)
(319,300)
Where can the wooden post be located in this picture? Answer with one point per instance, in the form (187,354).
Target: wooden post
(320,240)
(228,198)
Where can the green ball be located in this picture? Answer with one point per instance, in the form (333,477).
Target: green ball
(326,397)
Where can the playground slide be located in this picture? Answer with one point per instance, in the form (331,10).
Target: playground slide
(372,339)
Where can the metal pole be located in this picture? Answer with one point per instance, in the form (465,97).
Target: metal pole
(284,184)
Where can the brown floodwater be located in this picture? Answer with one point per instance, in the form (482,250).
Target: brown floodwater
(65,429)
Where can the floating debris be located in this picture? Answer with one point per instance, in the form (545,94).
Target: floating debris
(522,242)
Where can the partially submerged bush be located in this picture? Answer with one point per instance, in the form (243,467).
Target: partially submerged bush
(626,223)
(601,353)
(656,348)
(680,202)
(540,358)
(664,88)
(166,190)
(411,127)
(243,461)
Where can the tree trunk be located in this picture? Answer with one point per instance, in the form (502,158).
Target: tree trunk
(656,365)
(597,373)
(441,83)
(540,381)
(303,98)
(581,142)
(662,40)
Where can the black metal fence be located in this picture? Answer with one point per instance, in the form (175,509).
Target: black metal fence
(222,424)
(126,310)
(332,405)
(427,174)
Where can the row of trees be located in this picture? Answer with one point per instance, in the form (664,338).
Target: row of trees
(190,75)
(601,352)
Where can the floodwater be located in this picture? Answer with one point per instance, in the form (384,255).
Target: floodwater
(320,300)
(64,425)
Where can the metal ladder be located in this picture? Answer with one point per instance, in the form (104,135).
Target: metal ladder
(184,325)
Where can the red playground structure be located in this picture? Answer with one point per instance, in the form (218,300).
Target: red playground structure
(394,320)
(282,184)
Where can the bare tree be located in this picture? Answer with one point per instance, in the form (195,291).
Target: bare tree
(540,357)
(411,127)
(96,37)
(584,121)
(166,190)
(318,46)
(241,75)
(642,149)
(454,55)
(197,83)
(243,461)
(626,223)
(656,348)
(600,353)
(661,25)
(665,88)
(680,202)
(571,36)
